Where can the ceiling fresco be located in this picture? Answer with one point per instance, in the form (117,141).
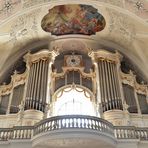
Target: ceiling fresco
(73,19)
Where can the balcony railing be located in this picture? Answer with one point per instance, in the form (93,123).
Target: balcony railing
(18,132)
(131,132)
(73,122)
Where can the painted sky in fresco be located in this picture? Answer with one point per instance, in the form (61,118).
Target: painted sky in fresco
(73,19)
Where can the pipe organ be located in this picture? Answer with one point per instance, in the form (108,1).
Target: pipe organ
(113,89)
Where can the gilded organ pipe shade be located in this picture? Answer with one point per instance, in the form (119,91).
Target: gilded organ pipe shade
(37,85)
(109,85)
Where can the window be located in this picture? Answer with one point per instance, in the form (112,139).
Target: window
(73,101)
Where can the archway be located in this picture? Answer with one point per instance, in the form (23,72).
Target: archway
(73,100)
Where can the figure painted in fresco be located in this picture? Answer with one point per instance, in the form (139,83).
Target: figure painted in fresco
(73,19)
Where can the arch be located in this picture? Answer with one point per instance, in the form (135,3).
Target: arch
(73,99)
(73,86)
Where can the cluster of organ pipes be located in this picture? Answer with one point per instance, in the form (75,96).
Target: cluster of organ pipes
(16,101)
(109,85)
(37,85)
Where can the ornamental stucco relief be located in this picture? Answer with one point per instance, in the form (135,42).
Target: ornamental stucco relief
(9,7)
(138,7)
(24,25)
(119,24)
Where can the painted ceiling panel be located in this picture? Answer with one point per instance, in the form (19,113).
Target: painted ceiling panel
(73,19)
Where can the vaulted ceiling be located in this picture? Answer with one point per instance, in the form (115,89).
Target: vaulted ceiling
(126,30)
